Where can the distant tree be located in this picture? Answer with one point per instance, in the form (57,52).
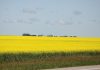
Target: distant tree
(55,36)
(65,36)
(40,35)
(26,34)
(33,35)
(74,36)
(50,35)
(70,36)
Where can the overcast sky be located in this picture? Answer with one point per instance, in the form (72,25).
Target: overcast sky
(57,17)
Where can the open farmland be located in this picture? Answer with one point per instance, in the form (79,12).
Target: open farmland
(17,44)
(35,53)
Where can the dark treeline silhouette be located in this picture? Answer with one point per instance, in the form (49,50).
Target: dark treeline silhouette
(27,34)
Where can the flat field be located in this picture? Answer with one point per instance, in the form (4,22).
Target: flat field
(17,44)
(35,53)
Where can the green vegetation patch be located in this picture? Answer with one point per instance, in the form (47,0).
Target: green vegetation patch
(36,61)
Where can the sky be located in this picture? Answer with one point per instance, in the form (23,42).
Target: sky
(57,17)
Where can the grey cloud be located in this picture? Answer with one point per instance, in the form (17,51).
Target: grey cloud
(63,22)
(79,22)
(39,8)
(71,19)
(77,13)
(23,21)
(59,22)
(34,20)
(69,23)
(50,22)
(93,20)
(29,11)
(7,21)
(20,21)
(47,22)
(28,20)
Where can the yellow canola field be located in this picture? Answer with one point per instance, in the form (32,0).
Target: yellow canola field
(16,44)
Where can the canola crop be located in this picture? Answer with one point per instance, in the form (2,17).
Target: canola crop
(16,44)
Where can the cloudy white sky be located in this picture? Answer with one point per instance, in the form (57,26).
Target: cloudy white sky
(57,17)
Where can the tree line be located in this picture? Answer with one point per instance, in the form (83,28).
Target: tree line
(27,34)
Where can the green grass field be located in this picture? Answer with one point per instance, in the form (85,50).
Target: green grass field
(37,61)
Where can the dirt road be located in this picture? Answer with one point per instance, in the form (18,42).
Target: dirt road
(93,67)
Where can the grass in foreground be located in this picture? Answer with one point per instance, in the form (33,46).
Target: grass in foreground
(37,61)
